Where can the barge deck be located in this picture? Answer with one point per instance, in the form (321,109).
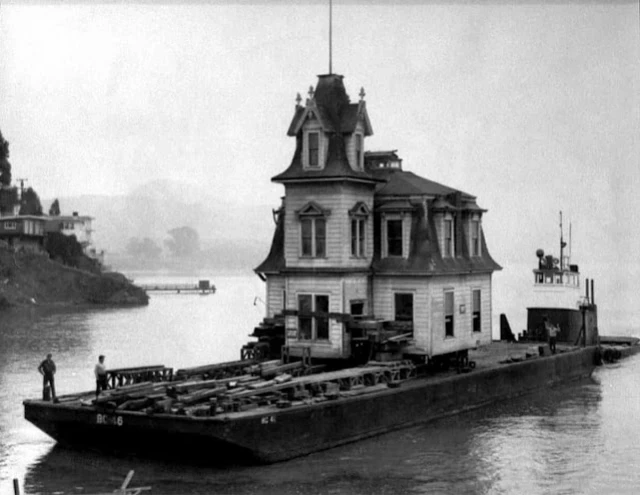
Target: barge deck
(267,421)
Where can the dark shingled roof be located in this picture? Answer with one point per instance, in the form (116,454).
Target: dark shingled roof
(335,112)
(337,166)
(403,183)
(275,259)
(425,257)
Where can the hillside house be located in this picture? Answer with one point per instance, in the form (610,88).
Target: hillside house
(358,238)
(23,232)
(78,225)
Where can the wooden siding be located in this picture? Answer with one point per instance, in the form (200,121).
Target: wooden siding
(384,289)
(274,295)
(356,288)
(428,309)
(339,199)
(463,335)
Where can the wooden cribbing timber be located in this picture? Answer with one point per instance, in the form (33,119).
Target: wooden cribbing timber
(244,385)
(127,376)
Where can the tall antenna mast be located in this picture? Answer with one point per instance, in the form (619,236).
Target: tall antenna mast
(330,33)
(562,245)
(569,240)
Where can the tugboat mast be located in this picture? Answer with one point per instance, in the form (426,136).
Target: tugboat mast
(562,245)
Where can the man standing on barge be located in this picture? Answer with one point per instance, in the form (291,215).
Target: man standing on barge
(101,375)
(552,331)
(47,369)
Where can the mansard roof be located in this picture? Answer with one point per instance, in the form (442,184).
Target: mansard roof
(333,108)
(336,168)
(275,261)
(403,183)
(425,257)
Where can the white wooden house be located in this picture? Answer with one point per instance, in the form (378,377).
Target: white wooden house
(359,237)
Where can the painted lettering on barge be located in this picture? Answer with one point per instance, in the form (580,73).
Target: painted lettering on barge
(268,419)
(108,419)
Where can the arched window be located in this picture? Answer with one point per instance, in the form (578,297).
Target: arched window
(358,216)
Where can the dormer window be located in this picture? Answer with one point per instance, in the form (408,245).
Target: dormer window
(314,149)
(394,237)
(475,238)
(395,229)
(313,230)
(449,249)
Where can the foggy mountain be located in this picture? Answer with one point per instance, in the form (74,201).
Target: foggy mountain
(237,233)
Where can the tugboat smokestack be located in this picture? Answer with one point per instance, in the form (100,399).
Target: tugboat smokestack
(587,289)
(593,294)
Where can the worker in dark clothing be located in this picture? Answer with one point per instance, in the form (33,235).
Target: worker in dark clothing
(101,375)
(47,369)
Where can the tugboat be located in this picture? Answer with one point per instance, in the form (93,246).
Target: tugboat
(557,297)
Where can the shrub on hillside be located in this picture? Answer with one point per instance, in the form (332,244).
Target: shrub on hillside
(67,250)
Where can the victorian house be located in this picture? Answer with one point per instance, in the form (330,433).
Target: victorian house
(358,238)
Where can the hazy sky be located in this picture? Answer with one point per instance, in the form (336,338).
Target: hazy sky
(532,107)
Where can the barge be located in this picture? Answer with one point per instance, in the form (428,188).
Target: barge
(378,316)
(304,414)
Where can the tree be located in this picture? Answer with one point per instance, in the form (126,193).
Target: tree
(30,203)
(145,248)
(5,166)
(184,241)
(64,249)
(8,196)
(54,210)
(8,199)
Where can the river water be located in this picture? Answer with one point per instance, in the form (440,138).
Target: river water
(582,438)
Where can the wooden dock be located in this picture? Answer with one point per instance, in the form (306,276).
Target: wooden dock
(202,287)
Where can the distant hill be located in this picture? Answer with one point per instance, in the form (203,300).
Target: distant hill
(234,235)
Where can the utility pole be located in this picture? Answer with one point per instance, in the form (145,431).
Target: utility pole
(22,181)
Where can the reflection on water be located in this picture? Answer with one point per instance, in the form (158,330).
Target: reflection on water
(576,439)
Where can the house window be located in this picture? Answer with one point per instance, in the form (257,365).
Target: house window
(314,149)
(358,151)
(404,306)
(314,234)
(448,238)
(313,230)
(313,317)
(358,236)
(477,327)
(394,237)
(358,214)
(357,308)
(10,225)
(475,238)
(448,313)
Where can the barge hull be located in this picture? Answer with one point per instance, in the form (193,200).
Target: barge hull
(271,435)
